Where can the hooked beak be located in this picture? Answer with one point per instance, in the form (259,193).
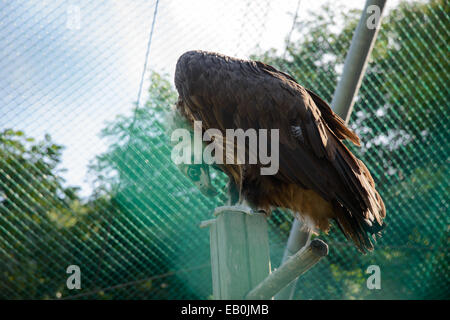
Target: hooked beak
(204,184)
(199,175)
(209,191)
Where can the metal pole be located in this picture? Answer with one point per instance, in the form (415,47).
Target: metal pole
(357,58)
(342,103)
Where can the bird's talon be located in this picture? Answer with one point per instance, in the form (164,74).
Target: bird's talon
(264,212)
(240,208)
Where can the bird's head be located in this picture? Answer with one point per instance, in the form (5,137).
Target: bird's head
(200,177)
(199,174)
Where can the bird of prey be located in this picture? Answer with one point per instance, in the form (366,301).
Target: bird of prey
(319,179)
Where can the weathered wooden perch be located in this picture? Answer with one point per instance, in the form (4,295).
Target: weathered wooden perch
(295,266)
(240,261)
(239,253)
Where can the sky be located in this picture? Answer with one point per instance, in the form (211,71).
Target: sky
(68,67)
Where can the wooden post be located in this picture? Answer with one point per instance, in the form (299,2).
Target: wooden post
(239,253)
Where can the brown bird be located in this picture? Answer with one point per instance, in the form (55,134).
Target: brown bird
(319,179)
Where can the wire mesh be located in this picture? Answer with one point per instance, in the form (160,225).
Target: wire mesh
(85,172)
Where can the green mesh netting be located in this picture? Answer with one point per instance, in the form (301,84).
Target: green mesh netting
(134,230)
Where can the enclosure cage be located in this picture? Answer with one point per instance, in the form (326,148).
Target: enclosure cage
(86,177)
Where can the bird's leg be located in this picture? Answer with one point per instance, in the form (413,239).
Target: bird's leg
(233,192)
(242,201)
(237,201)
(241,183)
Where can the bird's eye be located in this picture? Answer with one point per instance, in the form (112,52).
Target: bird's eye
(194,173)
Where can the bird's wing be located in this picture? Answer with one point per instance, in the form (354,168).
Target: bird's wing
(320,155)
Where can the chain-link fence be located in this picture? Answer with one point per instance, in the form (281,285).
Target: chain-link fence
(85,86)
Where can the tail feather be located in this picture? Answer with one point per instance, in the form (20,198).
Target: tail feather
(360,213)
(361,231)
